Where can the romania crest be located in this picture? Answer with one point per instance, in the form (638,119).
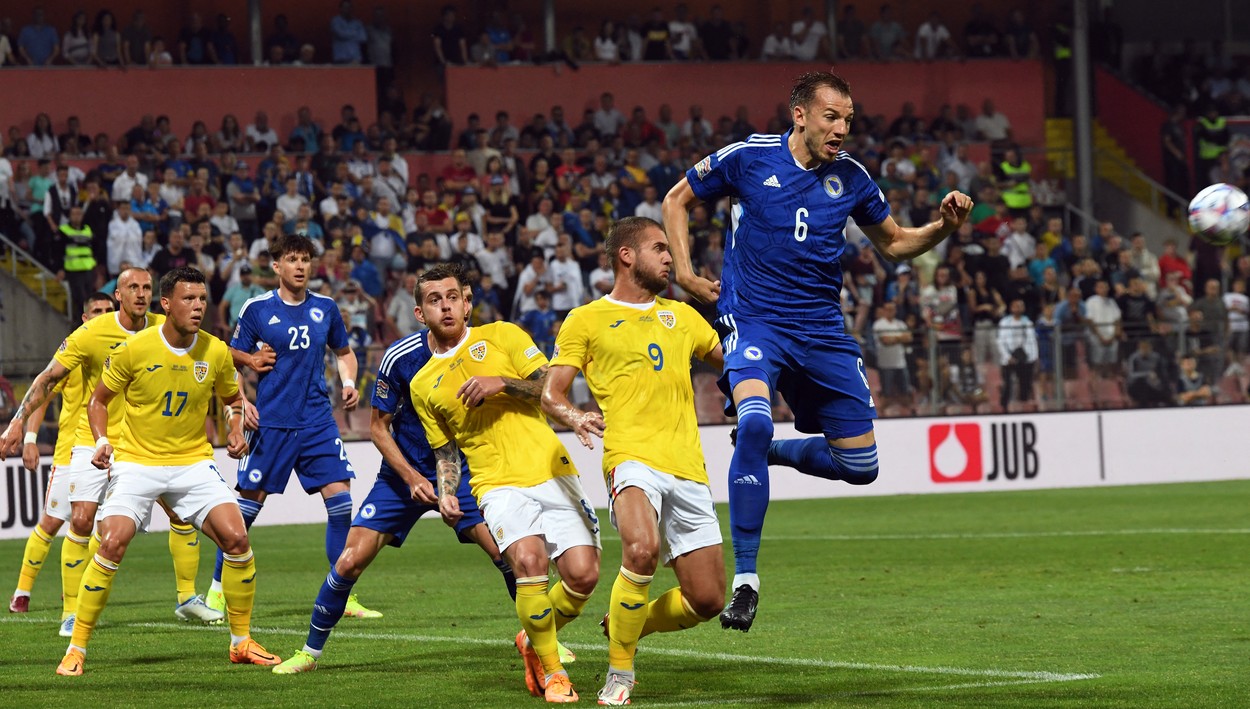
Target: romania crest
(478,350)
(667,318)
(200,371)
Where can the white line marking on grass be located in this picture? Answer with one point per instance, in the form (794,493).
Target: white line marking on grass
(1027,676)
(997,535)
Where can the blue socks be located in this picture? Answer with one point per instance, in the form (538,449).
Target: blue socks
(748,481)
(327,610)
(814,456)
(251,510)
(338,524)
(509,578)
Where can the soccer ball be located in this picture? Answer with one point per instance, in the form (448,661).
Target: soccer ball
(1219,214)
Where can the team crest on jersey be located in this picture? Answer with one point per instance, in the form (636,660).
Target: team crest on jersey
(368,511)
(499,533)
(383,390)
(317,314)
(753,353)
(704,167)
(200,371)
(833,186)
(667,318)
(478,350)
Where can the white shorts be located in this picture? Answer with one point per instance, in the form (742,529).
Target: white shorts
(86,482)
(556,510)
(684,507)
(191,491)
(56,498)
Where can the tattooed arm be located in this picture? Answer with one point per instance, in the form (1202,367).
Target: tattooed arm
(40,392)
(477,389)
(448,473)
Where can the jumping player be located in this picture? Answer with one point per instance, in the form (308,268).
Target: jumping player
(779,298)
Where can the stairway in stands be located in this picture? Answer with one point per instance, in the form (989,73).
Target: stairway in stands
(1111,162)
(34,279)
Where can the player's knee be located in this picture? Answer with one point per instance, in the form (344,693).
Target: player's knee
(527,563)
(582,579)
(755,430)
(705,601)
(641,557)
(81,523)
(351,563)
(233,542)
(50,525)
(113,547)
(856,466)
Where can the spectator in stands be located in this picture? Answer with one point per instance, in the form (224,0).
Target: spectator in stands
(137,40)
(1072,324)
(1145,374)
(1192,388)
(1137,310)
(777,46)
(229,139)
(980,34)
(1020,39)
(243,196)
(809,36)
(176,255)
(886,38)
(1172,262)
(450,46)
(602,278)
(1105,330)
(159,56)
(986,306)
(1145,263)
(76,44)
(963,382)
(38,43)
(892,337)
(1238,307)
(657,38)
(1017,354)
(42,140)
(992,125)
(567,279)
(195,45)
(222,40)
(1214,312)
(716,37)
(283,38)
(684,36)
(540,322)
(347,35)
(934,41)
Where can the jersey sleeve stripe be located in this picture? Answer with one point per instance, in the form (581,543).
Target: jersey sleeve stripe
(257,299)
(396,351)
(847,156)
(754,140)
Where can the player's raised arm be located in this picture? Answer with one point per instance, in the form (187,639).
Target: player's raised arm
(676,211)
(37,396)
(98,418)
(901,243)
(380,433)
(556,404)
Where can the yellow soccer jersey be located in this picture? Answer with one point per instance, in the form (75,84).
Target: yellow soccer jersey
(73,404)
(637,362)
(166,395)
(507,441)
(87,348)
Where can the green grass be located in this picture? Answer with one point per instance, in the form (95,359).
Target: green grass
(971,600)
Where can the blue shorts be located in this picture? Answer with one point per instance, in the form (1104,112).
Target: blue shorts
(390,509)
(315,455)
(820,374)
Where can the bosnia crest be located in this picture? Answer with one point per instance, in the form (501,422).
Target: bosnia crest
(200,371)
(667,318)
(478,350)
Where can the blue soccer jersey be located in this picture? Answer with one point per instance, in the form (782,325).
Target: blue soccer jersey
(784,248)
(293,394)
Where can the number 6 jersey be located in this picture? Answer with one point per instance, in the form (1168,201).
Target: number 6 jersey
(784,246)
(293,394)
(637,361)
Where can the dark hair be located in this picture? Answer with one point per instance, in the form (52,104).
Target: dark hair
(182,274)
(292,243)
(626,233)
(95,297)
(440,272)
(805,87)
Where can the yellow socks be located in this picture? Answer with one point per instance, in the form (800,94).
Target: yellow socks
(566,603)
(37,546)
(74,555)
(238,583)
(97,581)
(669,613)
(93,547)
(534,609)
(184,547)
(627,614)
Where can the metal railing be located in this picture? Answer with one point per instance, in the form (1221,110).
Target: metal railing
(20,256)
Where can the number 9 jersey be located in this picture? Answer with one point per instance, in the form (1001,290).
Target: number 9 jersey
(786,238)
(166,393)
(637,362)
(293,394)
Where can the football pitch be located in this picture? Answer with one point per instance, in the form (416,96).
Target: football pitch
(1114,597)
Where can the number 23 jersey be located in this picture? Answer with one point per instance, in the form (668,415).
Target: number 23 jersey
(293,394)
(787,234)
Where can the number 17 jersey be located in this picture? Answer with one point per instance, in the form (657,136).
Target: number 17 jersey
(788,230)
(293,394)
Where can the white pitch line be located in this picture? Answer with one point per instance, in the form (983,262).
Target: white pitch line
(1031,676)
(998,535)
